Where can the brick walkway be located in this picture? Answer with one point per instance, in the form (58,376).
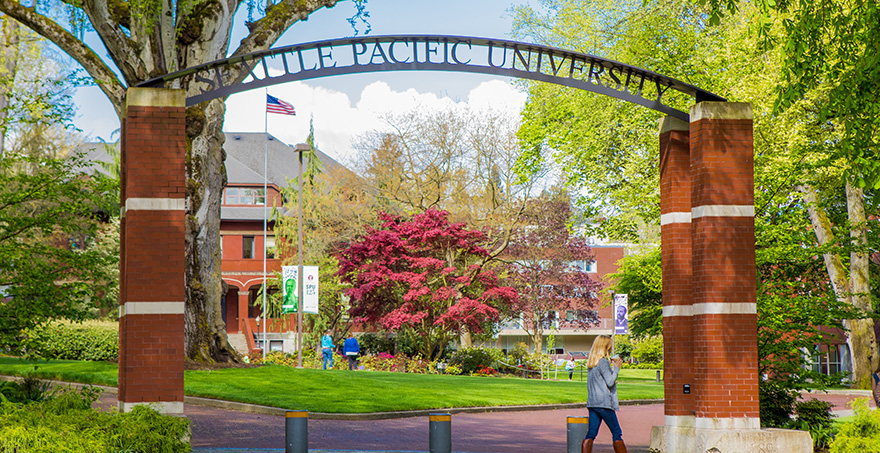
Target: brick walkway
(526,431)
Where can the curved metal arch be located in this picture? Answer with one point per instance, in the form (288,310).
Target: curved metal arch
(432,53)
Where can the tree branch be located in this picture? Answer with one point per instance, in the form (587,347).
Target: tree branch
(104,77)
(279,17)
(121,49)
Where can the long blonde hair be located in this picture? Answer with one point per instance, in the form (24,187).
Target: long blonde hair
(602,347)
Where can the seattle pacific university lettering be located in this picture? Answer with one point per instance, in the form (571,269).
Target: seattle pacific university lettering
(506,58)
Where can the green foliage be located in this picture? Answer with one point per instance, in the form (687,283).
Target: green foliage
(649,349)
(815,417)
(66,340)
(24,390)
(862,434)
(374,343)
(471,359)
(43,203)
(776,403)
(623,346)
(643,366)
(67,423)
(639,275)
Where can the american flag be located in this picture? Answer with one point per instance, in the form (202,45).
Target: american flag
(275,105)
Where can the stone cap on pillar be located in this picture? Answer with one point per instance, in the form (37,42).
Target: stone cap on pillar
(154,97)
(671,123)
(721,111)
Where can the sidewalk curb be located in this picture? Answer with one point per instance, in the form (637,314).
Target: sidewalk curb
(277,411)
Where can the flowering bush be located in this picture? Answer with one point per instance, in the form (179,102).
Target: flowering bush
(485,371)
(385,362)
(453,369)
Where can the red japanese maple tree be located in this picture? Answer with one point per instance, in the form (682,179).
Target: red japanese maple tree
(423,273)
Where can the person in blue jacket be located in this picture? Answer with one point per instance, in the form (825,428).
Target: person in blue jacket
(327,348)
(351,349)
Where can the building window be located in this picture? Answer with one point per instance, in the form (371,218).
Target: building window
(247,247)
(828,361)
(270,247)
(584,266)
(245,195)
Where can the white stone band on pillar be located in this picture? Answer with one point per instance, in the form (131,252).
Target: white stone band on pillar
(683,421)
(154,204)
(727,423)
(151,308)
(715,308)
(164,407)
(675,217)
(720,210)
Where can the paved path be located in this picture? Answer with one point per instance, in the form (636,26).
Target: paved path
(220,430)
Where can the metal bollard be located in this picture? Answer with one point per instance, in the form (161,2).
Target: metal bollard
(296,433)
(658,376)
(440,433)
(576,431)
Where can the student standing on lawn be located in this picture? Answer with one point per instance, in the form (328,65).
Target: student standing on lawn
(327,348)
(351,349)
(569,366)
(602,399)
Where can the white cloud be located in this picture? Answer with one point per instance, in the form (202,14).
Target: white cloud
(338,121)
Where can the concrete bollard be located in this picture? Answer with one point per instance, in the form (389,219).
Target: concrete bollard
(440,433)
(576,431)
(296,433)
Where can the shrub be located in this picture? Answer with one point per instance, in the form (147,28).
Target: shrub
(372,343)
(24,390)
(649,349)
(814,416)
(90,340)
(643,366)
(862,434)
(485,371)
(453,369)
(470,359)
(776,404)
(66,422)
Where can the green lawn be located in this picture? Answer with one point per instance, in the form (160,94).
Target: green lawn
(345,391)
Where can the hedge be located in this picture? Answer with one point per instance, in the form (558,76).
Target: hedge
(90,340)
(67,423)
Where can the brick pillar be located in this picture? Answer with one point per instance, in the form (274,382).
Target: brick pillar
(675,237)
(724,301)
(151,348)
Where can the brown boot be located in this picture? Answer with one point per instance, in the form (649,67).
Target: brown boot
(619,447)
(587,446)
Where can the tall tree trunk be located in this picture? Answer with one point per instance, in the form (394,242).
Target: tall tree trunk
(861,337)
(206,338)
(854,290)
(466,340)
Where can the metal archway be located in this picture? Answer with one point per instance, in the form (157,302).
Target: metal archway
(433,53)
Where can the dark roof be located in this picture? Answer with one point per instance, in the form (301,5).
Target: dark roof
(244,159)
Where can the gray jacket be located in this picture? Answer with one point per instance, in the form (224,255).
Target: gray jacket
(602,385)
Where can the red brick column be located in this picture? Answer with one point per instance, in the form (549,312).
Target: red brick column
(151,353)
(724,301)
(675,236)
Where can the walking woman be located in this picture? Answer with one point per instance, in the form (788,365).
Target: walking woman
(602,399)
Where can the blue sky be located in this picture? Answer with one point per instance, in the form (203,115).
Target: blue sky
(357,94)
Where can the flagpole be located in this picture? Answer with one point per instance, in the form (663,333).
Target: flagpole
(265,215)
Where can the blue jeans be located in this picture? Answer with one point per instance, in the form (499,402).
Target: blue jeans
(328,357)
(599,414)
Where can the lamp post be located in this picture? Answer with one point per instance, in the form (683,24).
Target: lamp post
(300,148)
